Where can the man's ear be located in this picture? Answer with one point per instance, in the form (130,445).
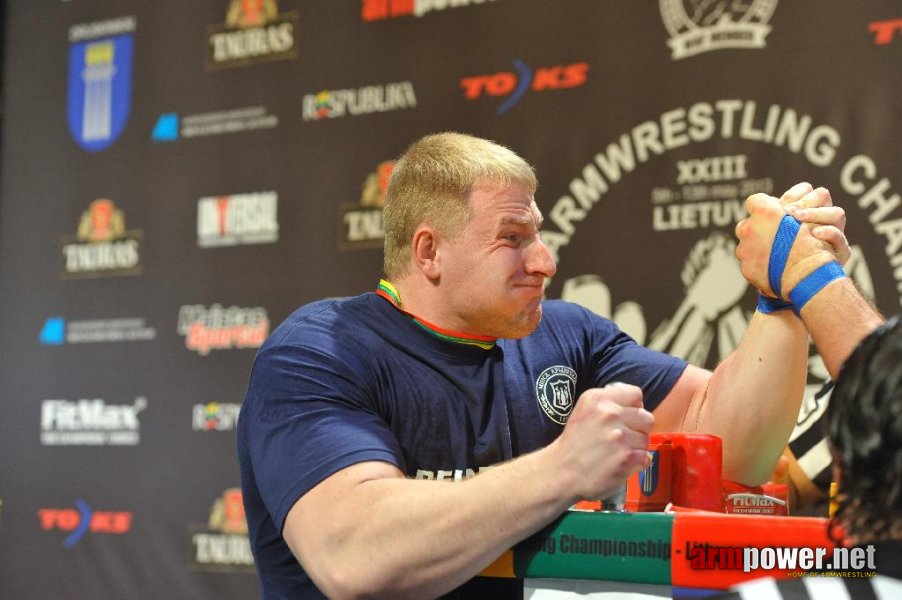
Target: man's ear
(425,251)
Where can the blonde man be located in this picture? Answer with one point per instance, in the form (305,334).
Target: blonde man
(456,369)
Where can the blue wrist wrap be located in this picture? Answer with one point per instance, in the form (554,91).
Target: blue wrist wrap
(813,283)
(767,305)
(779,252)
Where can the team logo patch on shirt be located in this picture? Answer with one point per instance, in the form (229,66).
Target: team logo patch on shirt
(556,392)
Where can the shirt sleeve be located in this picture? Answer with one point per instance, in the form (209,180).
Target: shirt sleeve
(309,414)
(618,357)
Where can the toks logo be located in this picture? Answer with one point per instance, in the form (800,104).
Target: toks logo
(715,24)
(884,31)
(377,10)
(515,85)
(82,520)
(254,31)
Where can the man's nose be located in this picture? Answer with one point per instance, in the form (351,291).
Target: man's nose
(539,259)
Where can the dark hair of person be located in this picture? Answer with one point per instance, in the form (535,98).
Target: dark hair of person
(864,428)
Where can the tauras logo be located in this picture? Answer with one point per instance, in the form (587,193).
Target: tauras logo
(90,422)
(102,245)
(254,31)
(362,222)
(223,544)
(706,25)
(329,104)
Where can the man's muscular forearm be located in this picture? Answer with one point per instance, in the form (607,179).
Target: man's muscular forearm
(368,531)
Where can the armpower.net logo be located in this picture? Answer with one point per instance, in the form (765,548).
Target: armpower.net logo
(840,562)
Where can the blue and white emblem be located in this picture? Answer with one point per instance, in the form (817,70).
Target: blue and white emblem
(100,84)
(556,392)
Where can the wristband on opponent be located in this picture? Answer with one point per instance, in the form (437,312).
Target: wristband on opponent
(779,252)
(813,283)
(767,305)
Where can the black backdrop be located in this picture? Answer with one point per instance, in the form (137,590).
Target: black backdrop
(237,152)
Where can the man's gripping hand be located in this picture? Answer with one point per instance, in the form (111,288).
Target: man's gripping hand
(605,439)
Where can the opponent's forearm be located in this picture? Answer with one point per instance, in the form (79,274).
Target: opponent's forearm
(402,538)
(838,318)
(754,396)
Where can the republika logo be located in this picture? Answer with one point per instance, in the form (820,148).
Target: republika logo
(361,222)
(515,85)
(329,104)
(556,392)
(100,81)
(697,26)
(215,416)
(254,31)
(102,246)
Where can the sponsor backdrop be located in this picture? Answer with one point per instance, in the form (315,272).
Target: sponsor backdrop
(176,180)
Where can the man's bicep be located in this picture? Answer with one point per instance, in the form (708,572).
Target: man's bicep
(679,408)
(329,508)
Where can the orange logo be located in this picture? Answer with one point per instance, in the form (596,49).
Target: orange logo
(251,13)
(885,30)
(376,185)
(227,515)
(102,222)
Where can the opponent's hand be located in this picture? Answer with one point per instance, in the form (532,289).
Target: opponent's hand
(605,439)
(828,222)
(756,235)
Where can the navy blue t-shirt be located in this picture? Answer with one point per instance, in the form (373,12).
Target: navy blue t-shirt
(349,380)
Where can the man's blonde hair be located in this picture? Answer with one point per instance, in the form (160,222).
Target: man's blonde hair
(431,183)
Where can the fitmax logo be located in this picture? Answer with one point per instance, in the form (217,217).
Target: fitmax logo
(516,84)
